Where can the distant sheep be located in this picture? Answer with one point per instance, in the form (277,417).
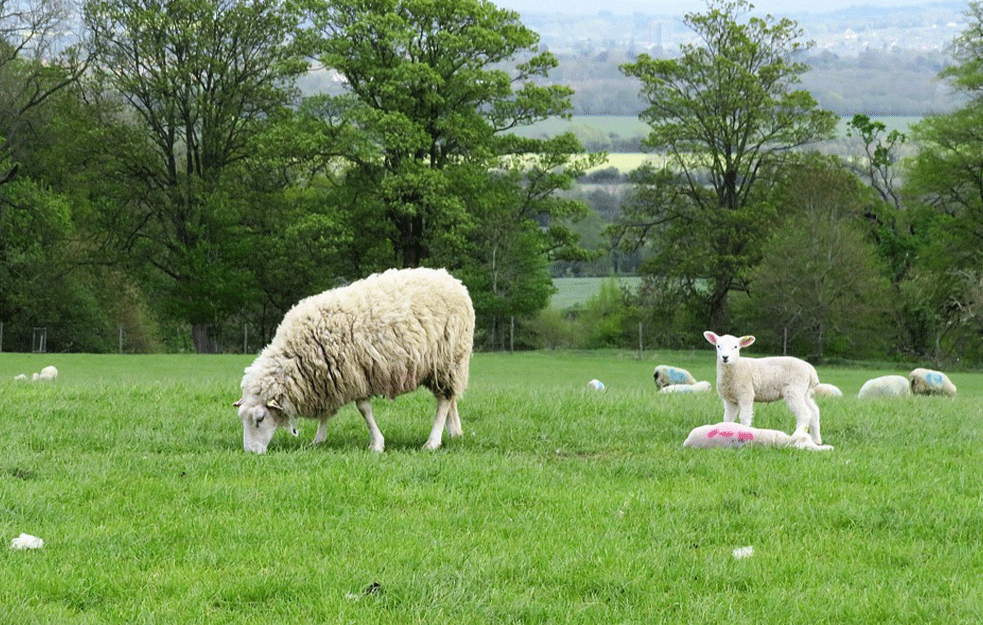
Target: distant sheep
(664,375)
(20,378)
(885,386)
(730,435)
(385,335)
(928,382)
(826,390)
(595,385)
(699,387)
(742,381)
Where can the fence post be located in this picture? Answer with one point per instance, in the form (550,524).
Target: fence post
(639,340)
(121,338)
(245,338)
(511,334)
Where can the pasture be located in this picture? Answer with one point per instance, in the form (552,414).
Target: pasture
(558,505)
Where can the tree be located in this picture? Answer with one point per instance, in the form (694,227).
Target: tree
(820,282)
(199,79)
(726,112)
(946,177)
(434,87)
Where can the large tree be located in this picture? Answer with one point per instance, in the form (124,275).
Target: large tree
(725,113)
(434,86)
(947,178)
(199,78)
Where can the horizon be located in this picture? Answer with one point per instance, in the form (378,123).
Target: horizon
(682,7)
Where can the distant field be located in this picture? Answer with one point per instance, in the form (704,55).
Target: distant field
(576,291)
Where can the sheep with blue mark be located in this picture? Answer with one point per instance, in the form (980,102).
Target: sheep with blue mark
(664,375)
(929,382)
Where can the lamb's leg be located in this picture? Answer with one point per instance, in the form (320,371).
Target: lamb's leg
(444,405)
(797,403)
(814,420)
(454,420)
(376,442)
(731,410)
(746,410)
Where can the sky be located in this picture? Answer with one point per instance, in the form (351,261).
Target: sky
(681,7)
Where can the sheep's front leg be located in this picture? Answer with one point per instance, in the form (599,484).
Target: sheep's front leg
(746,410)
(444,405)
(731,410)
(376,441)
(322,431)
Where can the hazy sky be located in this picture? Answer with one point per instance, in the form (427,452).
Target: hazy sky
(681,7)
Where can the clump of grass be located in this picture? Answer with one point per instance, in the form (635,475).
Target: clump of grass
(558,504)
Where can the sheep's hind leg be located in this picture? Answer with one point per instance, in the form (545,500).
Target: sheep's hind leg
(814,420)
(454,420)
(799,405)
(376,441)
(444,405)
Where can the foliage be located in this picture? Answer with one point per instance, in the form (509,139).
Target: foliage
(821,290)
(198,78)
(726,112)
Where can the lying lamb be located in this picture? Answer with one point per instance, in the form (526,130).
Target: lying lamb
(699,387)
(826,390)
(385,335)
(886,386)
(743,381)
(730,435)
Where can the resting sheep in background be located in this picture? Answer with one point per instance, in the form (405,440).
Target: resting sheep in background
(928,382)
(743,381)
(385,335)
(699,387)
(730,435)
(664,375)
(886,386)
(826,390)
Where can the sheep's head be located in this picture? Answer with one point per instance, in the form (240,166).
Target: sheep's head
(260,421)
(728,347)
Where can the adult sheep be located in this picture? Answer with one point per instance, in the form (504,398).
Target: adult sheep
(885,386)
(929,382)
(742,381)
(664,375)
(385,335)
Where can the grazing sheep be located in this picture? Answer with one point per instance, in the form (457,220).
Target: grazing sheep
(826,390)
(743,381)
(886,386)
(47,374)
(595,385)
(730,435)
(665,375)
(928,382)
(699,387)
(385,335)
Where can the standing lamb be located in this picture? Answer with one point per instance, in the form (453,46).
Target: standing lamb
(385,335)
(743,381)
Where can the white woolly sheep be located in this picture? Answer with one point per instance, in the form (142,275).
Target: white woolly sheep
(826,390)
(48,373)
(595,385)
(929,382)
(699,387)
(664,375)
(20,378)
(886,386)
(385,335)
(730,435)
(742,381)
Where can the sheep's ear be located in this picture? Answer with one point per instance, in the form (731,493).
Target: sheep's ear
(710,336)
(746,340)
(273,404)
(239,403)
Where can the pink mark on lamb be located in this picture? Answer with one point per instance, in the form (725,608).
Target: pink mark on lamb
(742,436)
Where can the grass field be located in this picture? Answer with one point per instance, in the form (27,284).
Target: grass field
(557,506)
(571,292)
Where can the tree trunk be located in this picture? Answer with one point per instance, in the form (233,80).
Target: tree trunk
(202,342)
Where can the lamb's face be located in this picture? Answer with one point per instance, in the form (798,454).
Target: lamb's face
(728,347)
(258,425)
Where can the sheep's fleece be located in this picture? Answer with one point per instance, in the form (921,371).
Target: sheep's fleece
(385,335)
(729,435)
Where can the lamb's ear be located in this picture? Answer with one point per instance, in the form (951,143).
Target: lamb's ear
(746,340)
(239,403)
(710,336)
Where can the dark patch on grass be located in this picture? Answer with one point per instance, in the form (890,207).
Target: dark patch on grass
(21,474)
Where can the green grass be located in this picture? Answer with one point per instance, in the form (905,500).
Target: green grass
(557,506)
(571,292)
